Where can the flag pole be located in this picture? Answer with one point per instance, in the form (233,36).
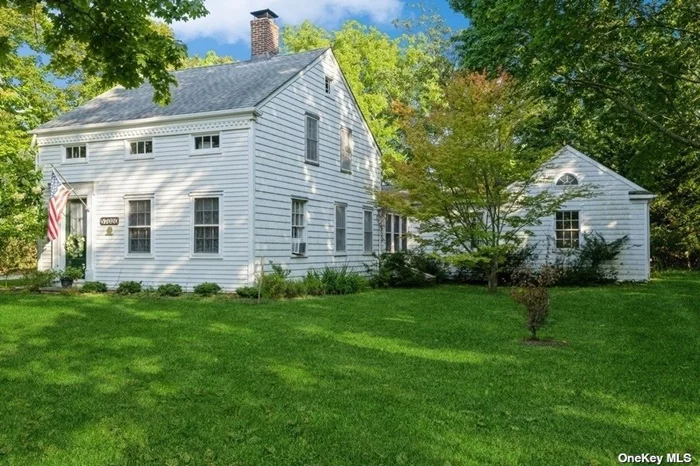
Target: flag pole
(71,187)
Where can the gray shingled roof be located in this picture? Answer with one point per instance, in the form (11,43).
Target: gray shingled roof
(206,89)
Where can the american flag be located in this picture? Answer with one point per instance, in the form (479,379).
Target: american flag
(59,197)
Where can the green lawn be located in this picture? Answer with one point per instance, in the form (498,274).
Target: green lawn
(434,376)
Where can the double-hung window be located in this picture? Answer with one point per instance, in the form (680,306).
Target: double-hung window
(76,153)
(395,228)
(340,228)
(206,225)
(298,227)
(139,225)
(567,229)
(368,231)
(311,138)
(346,146)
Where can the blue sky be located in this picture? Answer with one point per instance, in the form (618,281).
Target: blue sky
(226,29)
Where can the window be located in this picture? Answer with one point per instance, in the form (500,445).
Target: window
(339,228)
(141,147)
(206,142)
(139,226)
(206,225)
(346,146)
(368,231)
(567,229)
(567,179)
(311,139)
(395,228)
(76,152)
(329,81)
(298,227)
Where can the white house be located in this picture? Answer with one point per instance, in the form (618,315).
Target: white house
(268,159)
(618,208)
(264,160)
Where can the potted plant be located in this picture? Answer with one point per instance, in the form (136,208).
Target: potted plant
(69,275)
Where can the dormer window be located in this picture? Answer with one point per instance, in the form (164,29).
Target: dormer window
(329,81)
(567,179)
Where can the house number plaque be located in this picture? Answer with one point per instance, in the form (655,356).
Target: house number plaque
(109,221)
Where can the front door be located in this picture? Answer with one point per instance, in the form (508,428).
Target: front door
(76,234)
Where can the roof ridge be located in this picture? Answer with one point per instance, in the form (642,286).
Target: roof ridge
(250,60)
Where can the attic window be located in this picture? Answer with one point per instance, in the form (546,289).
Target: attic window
(329,80)
(567,179)
(206,142)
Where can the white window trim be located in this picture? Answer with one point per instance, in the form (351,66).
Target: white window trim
(351,142)
(304,238)
(371,224)
(308,115)
(212,151)
(390,229)
(328,86)
(127,149)
(207,255)
(140,197)
(561,186)
(335,229)
(64,160)
(580,229)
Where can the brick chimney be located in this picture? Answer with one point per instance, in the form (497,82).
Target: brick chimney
(264,34)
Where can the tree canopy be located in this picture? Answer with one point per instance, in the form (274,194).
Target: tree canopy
(622,82)
(468,178)
(118,41)
(381,70)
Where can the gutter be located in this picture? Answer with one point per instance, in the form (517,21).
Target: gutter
(143,121)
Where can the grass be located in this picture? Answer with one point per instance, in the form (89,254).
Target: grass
(423,377)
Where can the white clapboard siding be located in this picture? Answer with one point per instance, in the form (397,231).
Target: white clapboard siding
(610,213)
(172,175)
(281,173)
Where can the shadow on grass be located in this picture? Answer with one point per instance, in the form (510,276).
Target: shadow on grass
(393,377)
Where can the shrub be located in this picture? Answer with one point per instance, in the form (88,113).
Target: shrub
(36,279)
(342,281)
(170,289)
(294,289)
(313,283)
(395,269)
(476,269)
(207,289)
(274,284)
(247,292)
(589,265)
(533,293)
(94,287)
(73,273)
(129,287)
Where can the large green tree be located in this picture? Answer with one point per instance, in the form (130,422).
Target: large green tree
(469,176)
(122,43)
(381,70)
(622,80)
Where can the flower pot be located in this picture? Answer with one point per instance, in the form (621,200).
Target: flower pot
(66,282)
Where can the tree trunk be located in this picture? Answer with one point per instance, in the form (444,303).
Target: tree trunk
(493,276)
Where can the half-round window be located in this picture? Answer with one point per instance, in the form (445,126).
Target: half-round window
(567,179)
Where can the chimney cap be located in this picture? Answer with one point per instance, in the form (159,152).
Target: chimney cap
(266,13)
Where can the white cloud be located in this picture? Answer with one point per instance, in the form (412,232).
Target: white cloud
(229,20)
